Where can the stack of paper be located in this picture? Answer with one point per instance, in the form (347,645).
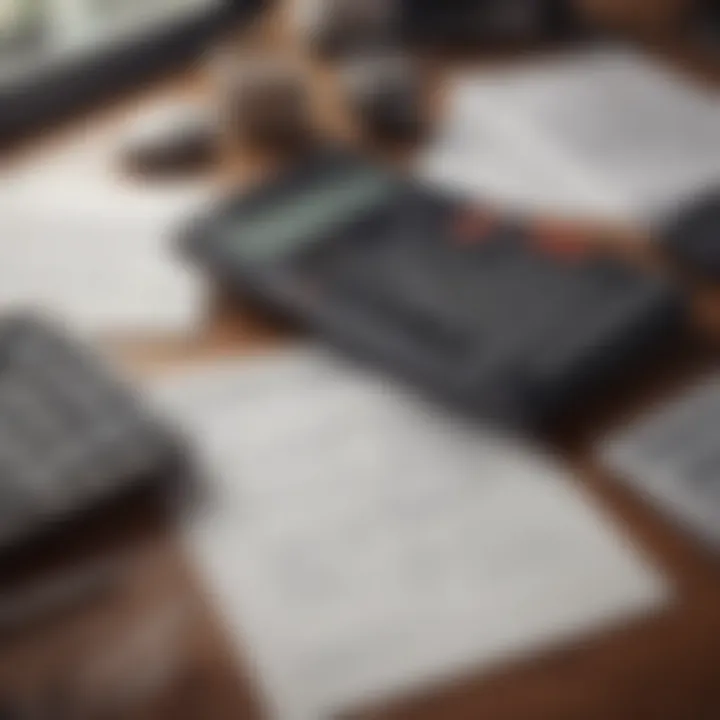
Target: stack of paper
(359,543)
(601,133)
(79,238)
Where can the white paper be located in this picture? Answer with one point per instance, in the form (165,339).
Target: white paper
(605,132)
(660,454)
(360,543)
(94,246)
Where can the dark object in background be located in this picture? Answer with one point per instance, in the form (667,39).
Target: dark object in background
(48,92)
(477,22)
(386,93)
(184,141)
(267,107)
(693,236)
(73,439)
(492,316)
(706,24)
(337,28)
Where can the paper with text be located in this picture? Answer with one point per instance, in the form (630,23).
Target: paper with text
(360,543)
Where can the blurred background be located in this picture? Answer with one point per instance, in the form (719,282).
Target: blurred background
(207,511)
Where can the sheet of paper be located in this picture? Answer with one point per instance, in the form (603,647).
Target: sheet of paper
(93,246)
(605,131)
(670,456)
(360,543)
(483,149)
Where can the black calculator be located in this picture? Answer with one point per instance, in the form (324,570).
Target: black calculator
(692,236)
(72,437)
(485,311)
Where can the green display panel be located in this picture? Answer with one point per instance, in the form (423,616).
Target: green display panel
(308,214)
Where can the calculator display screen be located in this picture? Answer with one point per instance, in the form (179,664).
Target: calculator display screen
(311,214)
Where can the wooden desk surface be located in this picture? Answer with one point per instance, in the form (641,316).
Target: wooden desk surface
(662,668)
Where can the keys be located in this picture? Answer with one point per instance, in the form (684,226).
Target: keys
(70,434)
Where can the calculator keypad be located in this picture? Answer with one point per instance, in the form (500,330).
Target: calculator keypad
(70,434)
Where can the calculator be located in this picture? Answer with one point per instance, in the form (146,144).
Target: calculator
(72,436)
(487,312)
(692,237)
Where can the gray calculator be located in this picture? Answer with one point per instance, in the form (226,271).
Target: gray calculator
(72,436)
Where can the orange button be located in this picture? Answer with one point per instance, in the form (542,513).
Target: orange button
(560,239)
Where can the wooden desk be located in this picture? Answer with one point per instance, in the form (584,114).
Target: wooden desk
(662,668)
